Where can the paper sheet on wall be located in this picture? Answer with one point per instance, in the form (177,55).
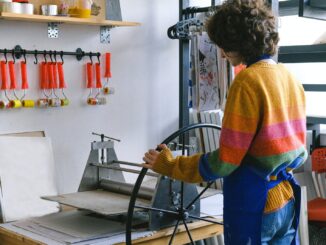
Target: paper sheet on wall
(207,69)
(26,173)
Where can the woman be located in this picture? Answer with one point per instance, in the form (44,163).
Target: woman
(263,133)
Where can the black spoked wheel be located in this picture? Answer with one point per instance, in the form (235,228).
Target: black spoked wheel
(182,213)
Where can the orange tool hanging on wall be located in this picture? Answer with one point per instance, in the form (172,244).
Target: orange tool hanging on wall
(15,103)
(62,84)
(100,100)
(107,89)
(43,102)
(53,84)
(4,85)
(90,84)
(25,86)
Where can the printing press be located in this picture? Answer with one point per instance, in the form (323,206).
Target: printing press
(152,203)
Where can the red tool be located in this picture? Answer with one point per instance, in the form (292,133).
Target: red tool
(90,84)
(43,102)
(4,84)
(23,69)
(107,89)
(62,84)
(53,84)
(100,100)
(96,100)
(15,103)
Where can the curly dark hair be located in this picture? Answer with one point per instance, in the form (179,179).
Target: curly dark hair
(246,27)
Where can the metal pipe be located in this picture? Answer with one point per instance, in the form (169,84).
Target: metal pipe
(126,188)
(18,52)
(123,169)
(126,163)
(104,136)
(194,10)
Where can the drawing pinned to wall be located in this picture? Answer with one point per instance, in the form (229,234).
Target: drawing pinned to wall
(207,70)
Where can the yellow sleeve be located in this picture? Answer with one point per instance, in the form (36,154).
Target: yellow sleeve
(184,168)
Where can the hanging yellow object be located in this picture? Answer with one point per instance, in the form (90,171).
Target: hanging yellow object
(64,102)
(28,103)
(15,104)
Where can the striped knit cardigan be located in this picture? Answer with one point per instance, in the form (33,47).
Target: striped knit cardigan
(264,125)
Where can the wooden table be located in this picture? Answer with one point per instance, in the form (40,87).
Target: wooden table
(199,230)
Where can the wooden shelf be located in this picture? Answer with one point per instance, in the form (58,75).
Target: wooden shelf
(62,19)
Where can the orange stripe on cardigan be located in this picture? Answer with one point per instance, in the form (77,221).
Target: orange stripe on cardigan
(247,124)
(231,155)
(278,146)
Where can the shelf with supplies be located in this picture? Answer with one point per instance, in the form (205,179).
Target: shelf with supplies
(101,13)
(64,19)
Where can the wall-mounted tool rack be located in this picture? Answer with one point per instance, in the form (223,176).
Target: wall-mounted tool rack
(18,52)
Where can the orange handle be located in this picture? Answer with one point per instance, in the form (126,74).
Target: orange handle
(107,65)
(62,83)
(4,78)
(55,74)
(50,75)
(89,75)
(24,75)
(12,74)
(43,76)
(98,75)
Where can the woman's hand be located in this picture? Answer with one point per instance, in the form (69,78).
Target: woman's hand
(150,157)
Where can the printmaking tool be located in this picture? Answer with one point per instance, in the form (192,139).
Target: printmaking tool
(62,83)
(25,86)
(4,85)
(107,89)
(13,103)
(161,201)
(53,83)
(100,100)
(90,84)
(43,102)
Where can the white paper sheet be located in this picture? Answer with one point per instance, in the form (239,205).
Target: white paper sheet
(26,173)
(211,206)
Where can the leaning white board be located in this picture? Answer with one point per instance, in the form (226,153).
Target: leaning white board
(26,173)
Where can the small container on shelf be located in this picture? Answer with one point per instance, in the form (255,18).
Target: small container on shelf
(85,8)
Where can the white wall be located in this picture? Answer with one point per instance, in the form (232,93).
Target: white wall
(144,109)
(303,31)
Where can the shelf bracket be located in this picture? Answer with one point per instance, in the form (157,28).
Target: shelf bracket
(53,30)
(105,35)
